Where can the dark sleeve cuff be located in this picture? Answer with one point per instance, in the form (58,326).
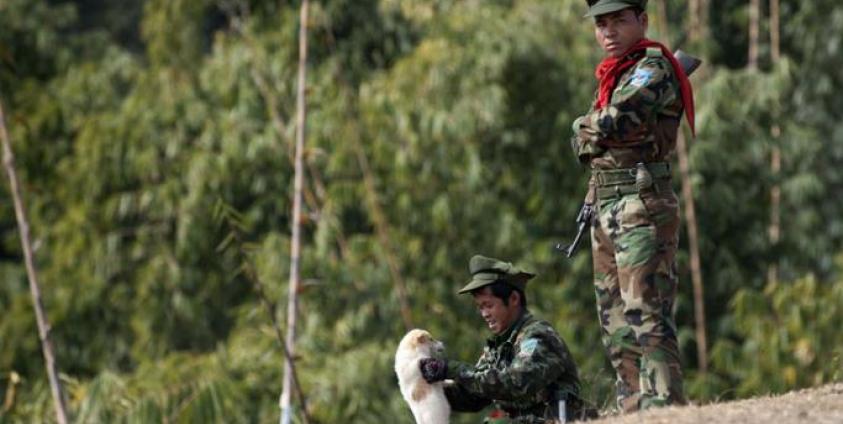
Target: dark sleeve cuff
(454,369)
(462,401)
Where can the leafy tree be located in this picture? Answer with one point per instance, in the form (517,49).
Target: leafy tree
(439,129)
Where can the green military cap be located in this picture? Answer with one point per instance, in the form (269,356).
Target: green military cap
(602,7)
(485,271)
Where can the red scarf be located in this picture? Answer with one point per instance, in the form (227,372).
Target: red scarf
(610,70)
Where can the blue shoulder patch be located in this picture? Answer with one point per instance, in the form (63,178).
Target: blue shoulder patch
(641,77)
(528,347)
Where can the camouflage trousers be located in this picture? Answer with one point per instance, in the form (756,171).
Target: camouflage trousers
(634,239)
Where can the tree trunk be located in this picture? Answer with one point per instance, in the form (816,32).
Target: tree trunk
(694,20)
(295,248)
(34,288)
(661,20)
(250,272)
(698,20)
(754,24)
(314,199)
(694,252)
(775,28)
(774,231)
(690,212)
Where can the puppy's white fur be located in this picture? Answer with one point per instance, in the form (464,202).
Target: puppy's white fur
(427,401)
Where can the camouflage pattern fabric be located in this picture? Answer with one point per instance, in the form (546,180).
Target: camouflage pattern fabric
(634,239)
(635,233)
(522,372)
(639,124)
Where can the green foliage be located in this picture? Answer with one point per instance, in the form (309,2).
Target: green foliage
(785,336)
(437,129)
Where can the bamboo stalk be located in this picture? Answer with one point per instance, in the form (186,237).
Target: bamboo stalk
(775,31)
(661,15)
(250,271)
(236,23)
(694,252)
(698,20)
(774,229)
(695,24)
(295,249)
(754,24)
(315,199)
(691,224)
(35,291)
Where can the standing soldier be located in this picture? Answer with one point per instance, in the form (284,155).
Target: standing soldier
(526,369)
(626,140)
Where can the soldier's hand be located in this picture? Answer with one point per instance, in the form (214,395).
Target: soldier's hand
(433,369)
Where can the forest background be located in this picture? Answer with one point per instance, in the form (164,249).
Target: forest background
(154,144)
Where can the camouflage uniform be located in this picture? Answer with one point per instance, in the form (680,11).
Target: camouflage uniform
(523,371)
(635,231)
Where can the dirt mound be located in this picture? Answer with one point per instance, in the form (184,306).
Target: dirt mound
(819,405)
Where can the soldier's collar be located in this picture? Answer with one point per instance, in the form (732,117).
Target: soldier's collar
(636,55)
(511,331)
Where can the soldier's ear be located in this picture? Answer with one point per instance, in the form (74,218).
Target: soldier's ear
(514,298)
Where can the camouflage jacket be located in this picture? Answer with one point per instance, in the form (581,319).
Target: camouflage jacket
(523,371)
(640,122)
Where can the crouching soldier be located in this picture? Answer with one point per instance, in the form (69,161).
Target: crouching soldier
(525,370)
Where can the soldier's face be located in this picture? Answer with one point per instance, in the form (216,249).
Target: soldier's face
(617,32)
(498,316)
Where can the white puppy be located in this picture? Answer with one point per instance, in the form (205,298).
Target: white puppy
(427,401)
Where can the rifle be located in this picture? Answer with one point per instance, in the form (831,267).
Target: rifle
(583,220)
(689,64)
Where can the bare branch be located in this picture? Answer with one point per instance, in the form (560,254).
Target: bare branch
(295,239)
(40,314)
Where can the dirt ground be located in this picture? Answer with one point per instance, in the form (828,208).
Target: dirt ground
(820,405)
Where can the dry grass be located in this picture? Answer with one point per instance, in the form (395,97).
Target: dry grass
(820,405)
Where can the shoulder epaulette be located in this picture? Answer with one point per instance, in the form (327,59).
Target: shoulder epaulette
(654,52)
